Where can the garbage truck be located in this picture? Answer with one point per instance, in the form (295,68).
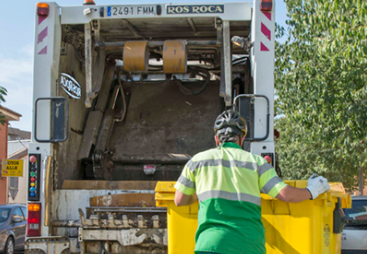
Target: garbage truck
(124,95)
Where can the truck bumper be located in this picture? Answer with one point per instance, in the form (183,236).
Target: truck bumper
(134,240)
(46,245)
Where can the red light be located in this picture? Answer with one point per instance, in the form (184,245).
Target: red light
(34,219)
(42,9)
(33,179)
(268,159)
(32,159)
(266,5)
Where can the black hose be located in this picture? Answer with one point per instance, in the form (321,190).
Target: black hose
(240,58)
(124,105)
(202,72)
(240,62)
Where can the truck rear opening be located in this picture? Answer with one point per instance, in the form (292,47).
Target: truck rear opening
(164,114)
(124,96)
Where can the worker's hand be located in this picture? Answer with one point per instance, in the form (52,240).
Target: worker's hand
(317,185)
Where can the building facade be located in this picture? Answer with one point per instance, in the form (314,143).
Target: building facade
(17,186)
(9,115)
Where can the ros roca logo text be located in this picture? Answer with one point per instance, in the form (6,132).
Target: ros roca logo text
(192,9)
(70,86)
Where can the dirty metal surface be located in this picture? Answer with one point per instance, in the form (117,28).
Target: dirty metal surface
(115,29)
(108,185)
(106,126)
(126,237)
(136,171)
(95,117)
(94,247)
(66,166)
(142,228)
(54,244)
(147,221)
(67,202)
(90,134)
(88,52)
(127,200)
(161,121)
(175,56)
(125,217)
(136,56)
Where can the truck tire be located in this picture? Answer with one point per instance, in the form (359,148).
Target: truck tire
(9,246)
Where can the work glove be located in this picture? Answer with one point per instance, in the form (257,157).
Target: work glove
(317,185)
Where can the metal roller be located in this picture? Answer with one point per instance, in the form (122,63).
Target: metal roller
(175,56)
(136,56)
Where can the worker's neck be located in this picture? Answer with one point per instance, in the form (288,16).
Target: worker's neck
(237,143)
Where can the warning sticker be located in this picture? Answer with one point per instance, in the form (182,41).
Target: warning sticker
(12,168)
(326,235)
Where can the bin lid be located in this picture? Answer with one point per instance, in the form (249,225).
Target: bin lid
(334,187)
(165,187)
(166,190)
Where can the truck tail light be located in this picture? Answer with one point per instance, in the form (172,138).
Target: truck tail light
(42,9)
(34,220)
(266,5)
(269,157)
(88,2)
(34,177)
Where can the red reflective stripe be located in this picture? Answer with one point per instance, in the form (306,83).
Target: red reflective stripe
(263,47)
(42,35)
(43,51)
(266,31)
(267,14)
(41,19)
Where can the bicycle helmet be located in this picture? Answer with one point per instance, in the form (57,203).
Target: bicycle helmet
(230,122)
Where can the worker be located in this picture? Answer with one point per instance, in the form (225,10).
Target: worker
(227,181)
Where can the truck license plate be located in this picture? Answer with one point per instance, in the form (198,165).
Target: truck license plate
(144,10)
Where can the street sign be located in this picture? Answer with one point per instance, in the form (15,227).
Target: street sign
(12,168)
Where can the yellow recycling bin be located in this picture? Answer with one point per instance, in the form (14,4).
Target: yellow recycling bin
(309,227)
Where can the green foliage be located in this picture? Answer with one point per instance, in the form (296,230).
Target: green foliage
(321,80)
(3,93)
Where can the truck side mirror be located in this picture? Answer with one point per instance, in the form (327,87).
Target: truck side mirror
(246,105)
(51,119)
(16,219)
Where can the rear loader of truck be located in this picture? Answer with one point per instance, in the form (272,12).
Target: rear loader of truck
(123,96)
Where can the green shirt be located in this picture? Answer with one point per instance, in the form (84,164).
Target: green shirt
(228,182)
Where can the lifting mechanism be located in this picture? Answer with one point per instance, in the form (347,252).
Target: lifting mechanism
(190,64)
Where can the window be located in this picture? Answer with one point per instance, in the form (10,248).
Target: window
(4,214)
(13,186)
(17,213)
(25,213)
(358,212)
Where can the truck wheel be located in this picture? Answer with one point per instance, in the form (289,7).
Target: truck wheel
(9,246)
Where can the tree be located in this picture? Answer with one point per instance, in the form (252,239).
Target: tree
(321,80)
(3,93)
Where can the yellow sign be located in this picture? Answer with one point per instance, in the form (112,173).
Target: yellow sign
(12,168)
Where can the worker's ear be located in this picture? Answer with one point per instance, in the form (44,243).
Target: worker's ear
(242,140)
(216,140)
